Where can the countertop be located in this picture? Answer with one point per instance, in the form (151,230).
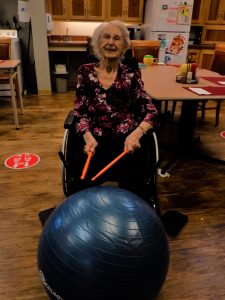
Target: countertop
(202,46)
(67,43)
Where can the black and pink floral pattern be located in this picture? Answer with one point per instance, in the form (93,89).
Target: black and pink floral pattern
(117,110)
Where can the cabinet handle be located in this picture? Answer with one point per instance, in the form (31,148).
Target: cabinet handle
(218,15)
(64,9)
(222,15)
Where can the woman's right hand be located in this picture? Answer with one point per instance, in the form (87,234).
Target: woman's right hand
(90,141)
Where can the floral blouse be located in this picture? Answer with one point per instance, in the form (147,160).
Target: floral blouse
(114,111)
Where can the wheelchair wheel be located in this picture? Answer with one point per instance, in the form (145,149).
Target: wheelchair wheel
(64,167)
(70,184)
(151,183)
(71,181)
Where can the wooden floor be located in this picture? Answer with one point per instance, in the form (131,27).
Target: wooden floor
(195,187)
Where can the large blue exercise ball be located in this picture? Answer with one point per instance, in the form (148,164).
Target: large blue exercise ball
(103,243)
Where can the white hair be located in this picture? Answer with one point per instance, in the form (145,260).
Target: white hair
(98,34)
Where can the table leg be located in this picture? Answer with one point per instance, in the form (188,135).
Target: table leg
(19,91)
(186,127)
(14,106)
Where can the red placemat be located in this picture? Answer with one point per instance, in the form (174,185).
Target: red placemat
(215,79)
(214,90)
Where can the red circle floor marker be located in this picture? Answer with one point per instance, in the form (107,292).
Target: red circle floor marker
(222,134)
(22,161)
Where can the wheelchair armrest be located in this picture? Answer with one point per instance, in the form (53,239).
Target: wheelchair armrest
(69,120)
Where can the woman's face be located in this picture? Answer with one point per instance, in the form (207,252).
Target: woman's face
(111,43)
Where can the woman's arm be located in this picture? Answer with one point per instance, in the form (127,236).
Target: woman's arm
(82,123)
(82,120)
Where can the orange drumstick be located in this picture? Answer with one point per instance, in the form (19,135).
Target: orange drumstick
(90,154)
(110,164)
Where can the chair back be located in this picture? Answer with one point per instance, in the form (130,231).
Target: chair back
(140,48)
(218,63)
(5,48)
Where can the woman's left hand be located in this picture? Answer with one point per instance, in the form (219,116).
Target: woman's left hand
(132,142)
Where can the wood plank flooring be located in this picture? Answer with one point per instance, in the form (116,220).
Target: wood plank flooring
(196,188)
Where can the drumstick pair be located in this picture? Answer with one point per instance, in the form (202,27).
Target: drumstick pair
(87,163)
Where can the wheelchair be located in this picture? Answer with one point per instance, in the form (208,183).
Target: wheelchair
(70,183)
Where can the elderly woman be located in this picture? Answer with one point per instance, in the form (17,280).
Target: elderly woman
(112,113)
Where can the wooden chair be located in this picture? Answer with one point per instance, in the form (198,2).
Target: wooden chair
(140,48)
(5,54)
(218,65)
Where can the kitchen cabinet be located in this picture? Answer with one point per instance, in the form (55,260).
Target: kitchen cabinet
(77,9)
(193,55)
(94,10)
(215,12)
(206,58)
(57,8)
(199,11)
(125,10)
(213,34)
(203,57)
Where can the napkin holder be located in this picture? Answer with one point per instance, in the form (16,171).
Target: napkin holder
(186,80)
(187,73)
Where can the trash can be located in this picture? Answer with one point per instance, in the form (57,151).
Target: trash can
(61,76)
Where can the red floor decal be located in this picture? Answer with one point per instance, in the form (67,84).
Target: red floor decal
(22,161)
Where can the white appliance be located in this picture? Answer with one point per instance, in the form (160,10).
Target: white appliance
(169,21)
(15,54)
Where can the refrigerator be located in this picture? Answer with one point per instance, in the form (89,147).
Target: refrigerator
(169,21)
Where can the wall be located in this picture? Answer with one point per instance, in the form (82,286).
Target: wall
(74,28)
(39,29)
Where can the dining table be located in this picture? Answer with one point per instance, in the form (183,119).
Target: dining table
(161,84)
(10,68)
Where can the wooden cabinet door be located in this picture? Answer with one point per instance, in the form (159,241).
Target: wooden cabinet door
(96,10)
(116,9)
(87,10)
(213,34)
(215,13)
(199,11)
(125,10)
(206,58)
(57,8)
(77,9)
(133,10)
(193,55)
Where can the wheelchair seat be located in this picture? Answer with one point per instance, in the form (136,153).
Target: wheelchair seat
(70,183)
